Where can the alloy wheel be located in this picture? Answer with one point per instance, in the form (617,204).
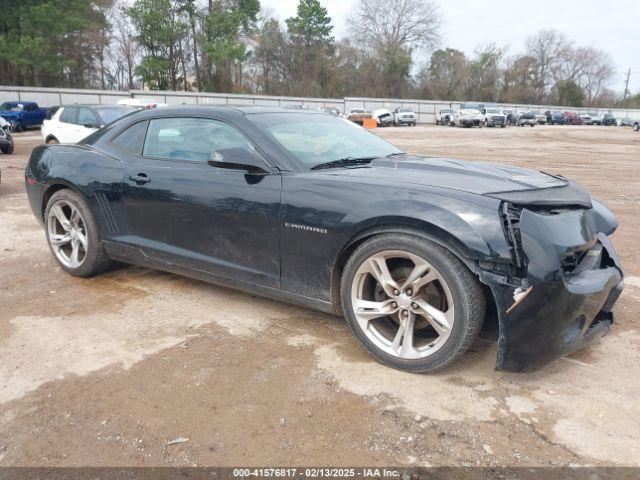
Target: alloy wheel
(402,304)
(67,234)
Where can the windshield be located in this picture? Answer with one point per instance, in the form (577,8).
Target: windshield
(111,114)
(405,110)
(316,139)
(494,110)
(446,110)
(11,108)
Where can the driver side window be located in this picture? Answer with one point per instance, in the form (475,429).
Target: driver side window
(195,139)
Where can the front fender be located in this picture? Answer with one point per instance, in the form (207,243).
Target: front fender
(474,229)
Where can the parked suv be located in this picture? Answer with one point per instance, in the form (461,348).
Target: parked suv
(596,118)
(609,119)
(72,123)
(528,118)
(555,117)
(541,118)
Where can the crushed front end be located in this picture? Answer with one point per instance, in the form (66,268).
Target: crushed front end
(558,294)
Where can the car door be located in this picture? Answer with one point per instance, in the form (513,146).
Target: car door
(181,209)
(30,115)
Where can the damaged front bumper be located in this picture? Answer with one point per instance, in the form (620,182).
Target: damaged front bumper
(570,277)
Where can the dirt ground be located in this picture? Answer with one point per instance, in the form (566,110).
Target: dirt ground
(109,371)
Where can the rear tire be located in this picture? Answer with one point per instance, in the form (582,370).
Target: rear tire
(378,300)
(52,141)
(70,226)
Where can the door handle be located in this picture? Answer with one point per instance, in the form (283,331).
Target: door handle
(140,178)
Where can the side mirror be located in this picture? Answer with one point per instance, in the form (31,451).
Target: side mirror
(238,159)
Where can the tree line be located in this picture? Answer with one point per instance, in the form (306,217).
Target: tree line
(393,48)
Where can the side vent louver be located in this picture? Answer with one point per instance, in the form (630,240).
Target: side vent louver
(107,214)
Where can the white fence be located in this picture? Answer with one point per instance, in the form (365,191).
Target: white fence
(426,109)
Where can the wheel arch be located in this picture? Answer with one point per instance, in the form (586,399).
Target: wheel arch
(50,137)
(398,225)
(56,187)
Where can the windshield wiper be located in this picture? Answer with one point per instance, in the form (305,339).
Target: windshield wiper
(344,162)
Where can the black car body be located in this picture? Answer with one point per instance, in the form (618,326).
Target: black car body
(609,120)
(264,223)
(6,142)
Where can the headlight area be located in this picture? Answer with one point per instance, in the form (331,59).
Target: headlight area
(558,294)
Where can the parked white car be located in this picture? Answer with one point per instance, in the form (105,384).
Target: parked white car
(72,123)
(405,116)
(443,116)
(467,117)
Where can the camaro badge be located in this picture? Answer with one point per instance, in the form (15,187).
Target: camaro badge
(305,227)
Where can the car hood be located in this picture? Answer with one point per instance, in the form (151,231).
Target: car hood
(517,185)
(9,113)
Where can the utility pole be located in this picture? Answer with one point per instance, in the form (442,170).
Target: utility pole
(626,85)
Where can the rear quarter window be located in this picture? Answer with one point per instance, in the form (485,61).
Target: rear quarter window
(69,115)
(131,139)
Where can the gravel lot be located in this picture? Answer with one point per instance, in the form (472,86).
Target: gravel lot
(108,371)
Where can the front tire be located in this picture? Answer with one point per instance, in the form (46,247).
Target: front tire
(411,303)
(72,234)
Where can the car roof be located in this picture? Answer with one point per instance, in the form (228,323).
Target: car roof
(221,109)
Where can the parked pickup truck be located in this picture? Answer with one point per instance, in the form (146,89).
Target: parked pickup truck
(494,117)
(467,117)
(22,115)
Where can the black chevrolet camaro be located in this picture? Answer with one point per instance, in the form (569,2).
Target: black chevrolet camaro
(311,209)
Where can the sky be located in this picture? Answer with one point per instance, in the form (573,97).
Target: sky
(610,25)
